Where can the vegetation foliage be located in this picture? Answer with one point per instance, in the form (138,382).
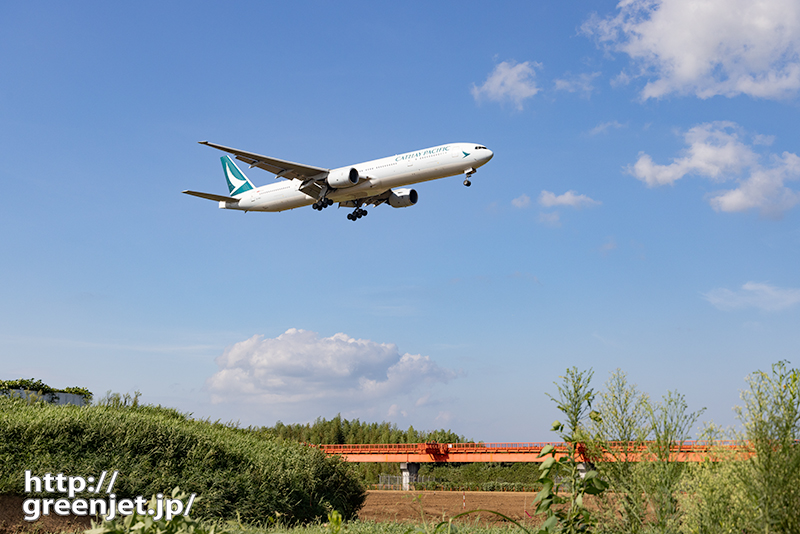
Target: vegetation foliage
(235,472)
(264,477)
(340,431)
(39,388)
(566,480)
(481,476)
(752,489)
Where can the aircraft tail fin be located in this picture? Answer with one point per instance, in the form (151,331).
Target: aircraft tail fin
(237,181)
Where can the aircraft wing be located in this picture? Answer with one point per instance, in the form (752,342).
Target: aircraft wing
(281,168)
(211,196)
(375,200)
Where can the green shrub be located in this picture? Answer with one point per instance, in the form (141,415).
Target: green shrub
(713,500)
(234,471)
(39,388)
(145,524)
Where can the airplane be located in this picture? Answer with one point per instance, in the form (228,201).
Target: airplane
(352,186)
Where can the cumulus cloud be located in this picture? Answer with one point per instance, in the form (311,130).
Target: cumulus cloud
(550,219)
(522,201)
(762,296)
(570,198)
(706,47)
(605,126)
(509,82)
(577,83)
(300,367)
(716,151)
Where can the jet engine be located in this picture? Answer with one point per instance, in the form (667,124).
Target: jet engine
(402,198)
(340,178)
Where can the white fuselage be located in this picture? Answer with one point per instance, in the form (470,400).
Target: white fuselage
(380,175)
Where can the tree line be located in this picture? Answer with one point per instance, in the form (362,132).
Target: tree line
(340,431)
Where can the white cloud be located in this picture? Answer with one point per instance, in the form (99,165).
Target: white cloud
(764,189)
(707,47)
(605,126)
(570,198)
(550,219)
(394,411)
(754,295)
(522,201)
(715,151)
(609,246)
(509,81)
(577,83)
(444,417)
(300,367)
(765,140)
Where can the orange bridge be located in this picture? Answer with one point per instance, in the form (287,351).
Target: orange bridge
(688,451)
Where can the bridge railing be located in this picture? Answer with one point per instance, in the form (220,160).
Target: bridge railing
(515,451)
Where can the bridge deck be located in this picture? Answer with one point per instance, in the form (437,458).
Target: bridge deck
(688,451)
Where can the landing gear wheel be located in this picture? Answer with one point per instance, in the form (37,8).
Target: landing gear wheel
(467,182)
(321,204)
(357,214)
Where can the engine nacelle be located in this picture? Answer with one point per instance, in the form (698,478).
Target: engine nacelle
(402,198)
(340,178)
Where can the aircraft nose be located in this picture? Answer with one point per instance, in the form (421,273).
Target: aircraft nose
(490,154)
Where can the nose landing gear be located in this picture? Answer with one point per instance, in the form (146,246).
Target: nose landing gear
(469,172)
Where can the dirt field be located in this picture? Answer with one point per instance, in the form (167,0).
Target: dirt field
(12,519)
(407,506)
(400,506)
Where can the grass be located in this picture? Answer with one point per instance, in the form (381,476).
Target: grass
(235,472)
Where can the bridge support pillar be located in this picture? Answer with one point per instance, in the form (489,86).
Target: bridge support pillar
(409,471)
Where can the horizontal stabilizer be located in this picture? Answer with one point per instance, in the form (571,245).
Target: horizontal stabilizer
(211,196)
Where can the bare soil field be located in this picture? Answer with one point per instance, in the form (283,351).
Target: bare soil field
(12,519)
(408,506)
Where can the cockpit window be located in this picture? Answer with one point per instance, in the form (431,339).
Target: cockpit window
(480,148)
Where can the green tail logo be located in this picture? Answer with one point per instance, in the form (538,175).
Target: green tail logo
(237,182)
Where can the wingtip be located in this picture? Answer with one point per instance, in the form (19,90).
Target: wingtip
(203,142)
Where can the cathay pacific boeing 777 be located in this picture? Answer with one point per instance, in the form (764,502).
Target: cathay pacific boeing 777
(352,186)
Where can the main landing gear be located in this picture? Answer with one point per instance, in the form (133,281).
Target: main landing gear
(357,214)
(322,204)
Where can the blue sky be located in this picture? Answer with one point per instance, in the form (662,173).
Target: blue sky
(640,212)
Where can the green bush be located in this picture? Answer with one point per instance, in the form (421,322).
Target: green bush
(235,472)
(39,388)
(713,500)
(145,524)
